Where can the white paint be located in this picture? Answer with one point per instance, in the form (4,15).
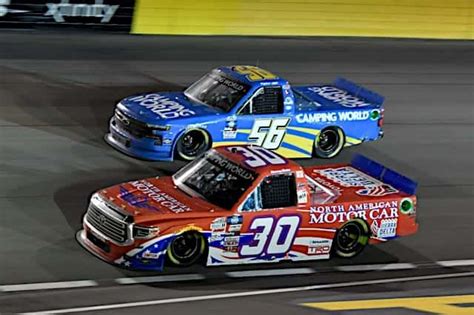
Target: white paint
(269,272)
(378,267)
(47,286)
(156,279)
(250,293)
(456,263)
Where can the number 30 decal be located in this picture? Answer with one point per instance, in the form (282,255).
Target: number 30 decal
(269,133)
(271,237)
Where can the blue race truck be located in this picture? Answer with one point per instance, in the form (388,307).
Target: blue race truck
(246,105)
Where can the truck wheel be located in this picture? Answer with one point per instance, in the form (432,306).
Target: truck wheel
(186,248)
(329,142)
(192,144)
(351,238)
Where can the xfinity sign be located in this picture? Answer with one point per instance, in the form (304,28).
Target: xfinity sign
(99,10)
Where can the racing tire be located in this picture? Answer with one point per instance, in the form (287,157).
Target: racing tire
(192,143)
(186,248)
(329,142)
(351,238)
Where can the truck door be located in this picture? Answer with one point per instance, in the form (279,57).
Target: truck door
(271,222)
(262,118)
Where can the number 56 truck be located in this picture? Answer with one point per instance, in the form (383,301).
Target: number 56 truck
(238,105)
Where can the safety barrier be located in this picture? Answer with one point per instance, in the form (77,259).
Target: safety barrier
(451,19)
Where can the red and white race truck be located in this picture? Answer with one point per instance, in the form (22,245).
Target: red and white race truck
(246,204)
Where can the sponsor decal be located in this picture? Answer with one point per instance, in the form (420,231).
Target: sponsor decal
(231,167)
(162,106)
(227,82)
(65,9)
(288,101)
(385,228)
(218,225)
(314,118)
(216,237)
(407,206)
(319,250)
(339,96)
(162,198)
(235,219)
(235,228)
(229,133)
(150,255)
(302,196)
(299,174)
(367,211)
(347,176)
(136,201)
(231,240)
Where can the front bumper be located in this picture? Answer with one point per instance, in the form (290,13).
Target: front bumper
(146,256)
(142,148)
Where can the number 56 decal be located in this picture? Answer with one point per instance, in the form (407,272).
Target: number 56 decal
(271,237)
(269,133)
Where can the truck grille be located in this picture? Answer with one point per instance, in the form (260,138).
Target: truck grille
(134,127)
(111,227)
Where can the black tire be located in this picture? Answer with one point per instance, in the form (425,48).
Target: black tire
(351,238)
(186,248)
(192,143)
(329,142)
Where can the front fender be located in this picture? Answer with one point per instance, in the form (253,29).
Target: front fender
(150,255)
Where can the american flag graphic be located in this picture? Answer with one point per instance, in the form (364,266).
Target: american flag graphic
(377,191)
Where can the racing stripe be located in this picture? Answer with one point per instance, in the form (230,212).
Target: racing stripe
(222,143)
(352,141)
(301,142)
(301,134)
(246,131)
(296,150)
(311,131)
(290,153)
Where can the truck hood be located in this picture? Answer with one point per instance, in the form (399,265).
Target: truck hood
(164,107)
(155,198)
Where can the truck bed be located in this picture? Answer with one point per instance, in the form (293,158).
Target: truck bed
(359,181)
(341,94)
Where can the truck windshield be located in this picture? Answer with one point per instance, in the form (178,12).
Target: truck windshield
(217,90)
(215,179)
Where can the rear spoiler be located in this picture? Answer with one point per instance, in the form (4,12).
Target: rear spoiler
(384,174)
(359,91)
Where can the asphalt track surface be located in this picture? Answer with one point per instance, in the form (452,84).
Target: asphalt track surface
(58,91)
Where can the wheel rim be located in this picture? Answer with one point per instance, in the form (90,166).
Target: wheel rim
(185,247)
(348,237)
(328,140)
(192,144)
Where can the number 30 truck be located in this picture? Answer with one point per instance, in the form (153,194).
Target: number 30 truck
(239,105)
(247,204)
